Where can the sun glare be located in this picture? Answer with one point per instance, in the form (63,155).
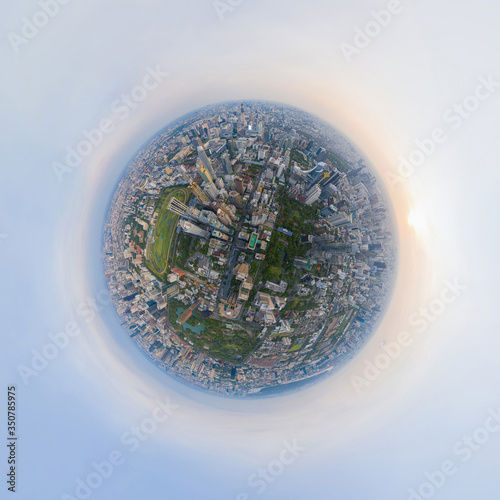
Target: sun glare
(417,220)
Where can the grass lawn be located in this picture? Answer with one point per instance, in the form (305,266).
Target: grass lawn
(165,229)
(224,344)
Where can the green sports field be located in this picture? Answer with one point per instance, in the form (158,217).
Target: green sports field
(164,230)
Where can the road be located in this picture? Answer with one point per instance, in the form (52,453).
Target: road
(233,254)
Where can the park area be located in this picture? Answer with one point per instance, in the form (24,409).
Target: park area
(226,342)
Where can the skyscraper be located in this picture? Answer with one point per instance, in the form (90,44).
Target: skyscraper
(240,186)
(206,161)
(243,118)
(235,198)
(226,164)
(190,228)
(223,217)
(177,207)
(205,174)
(229,212)
(211,191)
(339,220)
(313,194)
(199,193)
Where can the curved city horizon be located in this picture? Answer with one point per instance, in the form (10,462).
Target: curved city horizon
(249,249)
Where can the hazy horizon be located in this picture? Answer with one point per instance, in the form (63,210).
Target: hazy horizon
(375,443)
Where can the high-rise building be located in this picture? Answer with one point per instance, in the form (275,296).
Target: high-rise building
(211,191)
(190,228)
(199,193)
(313,195)
(235,198)
(206,161)
(339,220)
(243,118)
(220,235)
(259,217)
(177,207)
(337,248)
(229,212)
(205,174)
(240,185)
(330,190)
(223,217)
(226,164)
(208,217)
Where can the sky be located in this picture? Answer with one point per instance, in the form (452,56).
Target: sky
(424,78)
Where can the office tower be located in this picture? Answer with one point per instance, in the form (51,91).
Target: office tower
(339,220)
(177,207)
(240,186)
(226,164)
(259,217)
(323,239)
(205,174)
(337,248)
(208,217)
(313,195)
(317,175)
(223,217)
(243,118)
(229,212)
(190,228)
(223,194)
(199,193)
(220,236)
(235,198)
(321,155)
(211,191)
(330,190)
(206,161)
